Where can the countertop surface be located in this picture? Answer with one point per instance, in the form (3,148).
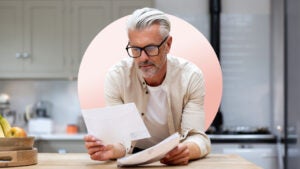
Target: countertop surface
(82,161)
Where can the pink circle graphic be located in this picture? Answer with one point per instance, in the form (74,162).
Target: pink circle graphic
(108,47)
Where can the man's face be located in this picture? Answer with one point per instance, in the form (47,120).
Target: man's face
(150,66)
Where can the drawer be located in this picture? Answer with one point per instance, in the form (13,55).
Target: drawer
(60,146)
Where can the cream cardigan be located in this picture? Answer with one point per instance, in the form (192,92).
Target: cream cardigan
(184,85)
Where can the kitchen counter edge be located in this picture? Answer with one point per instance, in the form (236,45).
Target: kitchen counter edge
(215,138)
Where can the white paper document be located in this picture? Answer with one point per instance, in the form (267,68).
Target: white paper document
(151,154)
(115,124)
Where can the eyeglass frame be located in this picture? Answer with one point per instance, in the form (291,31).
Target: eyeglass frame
(143,48)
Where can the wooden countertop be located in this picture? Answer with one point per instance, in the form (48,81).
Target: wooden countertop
(82,161)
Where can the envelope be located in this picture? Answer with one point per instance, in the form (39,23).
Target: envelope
(115,124)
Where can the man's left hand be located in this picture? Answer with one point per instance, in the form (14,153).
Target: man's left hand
(180,155)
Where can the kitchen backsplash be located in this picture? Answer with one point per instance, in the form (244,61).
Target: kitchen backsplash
(61,93)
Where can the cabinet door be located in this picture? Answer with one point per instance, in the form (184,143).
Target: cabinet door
(60,146)
(10,37)
(263,155)
(44,39)
(89,17)
(125,7)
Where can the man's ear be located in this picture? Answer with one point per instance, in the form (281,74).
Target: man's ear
(169,44)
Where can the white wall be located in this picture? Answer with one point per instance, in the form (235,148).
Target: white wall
(61,93)
(245,52)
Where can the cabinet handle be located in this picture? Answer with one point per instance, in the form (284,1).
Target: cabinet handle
(18,55)
(25,55)
(61,151)
(245,146)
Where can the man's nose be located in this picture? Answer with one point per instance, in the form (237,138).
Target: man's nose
(144,55)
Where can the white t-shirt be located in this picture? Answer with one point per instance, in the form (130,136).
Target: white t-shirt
(156,118)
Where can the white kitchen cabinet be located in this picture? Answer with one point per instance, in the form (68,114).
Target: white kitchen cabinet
(48,38)
(60,146)
(60,143)
(32,39)
(11,39)
(261,154)
(125,7)
(89,17)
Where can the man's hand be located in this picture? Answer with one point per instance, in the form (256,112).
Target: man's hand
(98,151)
(180,155)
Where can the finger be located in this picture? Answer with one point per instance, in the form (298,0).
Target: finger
(183,155)
(92,144)
(108,147)
(93,150)
(176,152)
(101,155)
(181,161)
(97,156)
(181,152)
(89,138)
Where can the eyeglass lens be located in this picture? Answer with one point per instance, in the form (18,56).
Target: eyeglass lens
(136,52)
(151,50)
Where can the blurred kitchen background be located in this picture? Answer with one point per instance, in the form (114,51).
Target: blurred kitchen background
(42,43)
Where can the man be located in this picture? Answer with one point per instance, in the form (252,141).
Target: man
(168,92)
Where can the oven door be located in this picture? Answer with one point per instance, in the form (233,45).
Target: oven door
(263,155)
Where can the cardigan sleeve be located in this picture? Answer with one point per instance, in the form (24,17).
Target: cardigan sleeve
(112,89)
(193,115)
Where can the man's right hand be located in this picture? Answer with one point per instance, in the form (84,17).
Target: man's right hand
(98,151)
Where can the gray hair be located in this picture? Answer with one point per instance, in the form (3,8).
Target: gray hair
(145,17)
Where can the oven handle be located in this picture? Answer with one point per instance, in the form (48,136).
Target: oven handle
(278,144)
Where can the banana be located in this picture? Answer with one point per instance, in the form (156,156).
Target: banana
(1,132)
(5,125)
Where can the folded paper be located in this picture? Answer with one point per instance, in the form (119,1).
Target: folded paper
(115,124)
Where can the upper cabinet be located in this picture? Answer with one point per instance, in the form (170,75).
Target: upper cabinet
(125,7)
(89,17)
(32,39)
(11,37)
(47,38)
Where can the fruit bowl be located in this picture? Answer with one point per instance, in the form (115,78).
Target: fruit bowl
(16,143)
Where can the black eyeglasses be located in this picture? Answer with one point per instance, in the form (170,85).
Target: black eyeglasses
(150,50)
